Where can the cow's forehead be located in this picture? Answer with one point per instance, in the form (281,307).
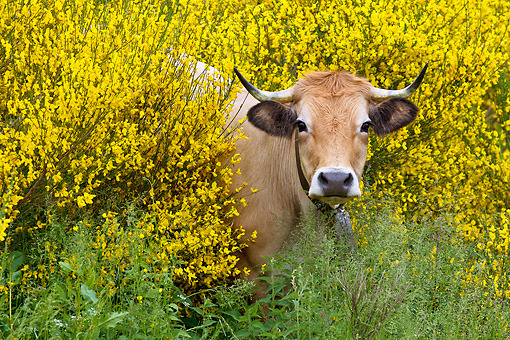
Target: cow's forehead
(330,96)
(332,99)
(326,84)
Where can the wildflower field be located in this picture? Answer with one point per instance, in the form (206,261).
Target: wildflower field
(115,161)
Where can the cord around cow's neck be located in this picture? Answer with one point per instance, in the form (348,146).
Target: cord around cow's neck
(302,178)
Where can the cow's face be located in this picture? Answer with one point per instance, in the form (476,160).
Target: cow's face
(332,114)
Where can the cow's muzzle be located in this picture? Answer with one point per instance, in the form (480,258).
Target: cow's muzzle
(334,185)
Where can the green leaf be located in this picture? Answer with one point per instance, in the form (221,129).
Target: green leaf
(208,323)
(91,277)
(198,310)
(173,318)
(208,304)
(88,294)
(257,324)
(16,259)
(61,291)
(16,277)
(182,333)
(243,333)
(113,319)
(233,313)
(66,267)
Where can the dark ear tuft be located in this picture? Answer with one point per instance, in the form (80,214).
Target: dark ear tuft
(272,117)
(391,115)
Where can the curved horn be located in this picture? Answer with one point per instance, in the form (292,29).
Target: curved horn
(404,93)
(283,96)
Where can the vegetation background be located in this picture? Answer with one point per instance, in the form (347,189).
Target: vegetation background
(115,217)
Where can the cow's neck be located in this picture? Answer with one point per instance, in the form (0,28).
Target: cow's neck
(283,172)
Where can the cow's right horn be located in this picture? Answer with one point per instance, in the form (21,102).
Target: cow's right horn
(283,96)
(404,93)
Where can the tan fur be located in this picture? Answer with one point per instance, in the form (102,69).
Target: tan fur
(333,103)
(328,84)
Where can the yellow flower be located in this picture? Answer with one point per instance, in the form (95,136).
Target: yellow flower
(246,271)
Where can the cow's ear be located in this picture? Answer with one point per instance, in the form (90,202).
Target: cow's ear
(272,117)
(391,115)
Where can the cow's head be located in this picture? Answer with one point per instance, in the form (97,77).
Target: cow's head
(331,114)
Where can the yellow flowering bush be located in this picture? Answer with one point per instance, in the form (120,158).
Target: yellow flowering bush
(454,161)
(100,104)
(95,113)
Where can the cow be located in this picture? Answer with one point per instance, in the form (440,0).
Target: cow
(308,142)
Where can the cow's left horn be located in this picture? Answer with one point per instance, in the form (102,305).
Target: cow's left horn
(283,96)
(404,93)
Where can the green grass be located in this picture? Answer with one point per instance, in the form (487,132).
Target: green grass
(393,288)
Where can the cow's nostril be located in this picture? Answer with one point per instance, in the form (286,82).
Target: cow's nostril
(323,179)
(348,180)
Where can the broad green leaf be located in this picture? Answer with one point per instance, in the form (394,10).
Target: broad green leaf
(66,267)
(16,259)
(88,294)
(113,319)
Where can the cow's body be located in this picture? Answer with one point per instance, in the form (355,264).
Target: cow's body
(267,164)
(332,112)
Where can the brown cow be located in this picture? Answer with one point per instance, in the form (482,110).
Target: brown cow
(309,141)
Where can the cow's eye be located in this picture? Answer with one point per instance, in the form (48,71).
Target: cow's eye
(301,126)
(365,126)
